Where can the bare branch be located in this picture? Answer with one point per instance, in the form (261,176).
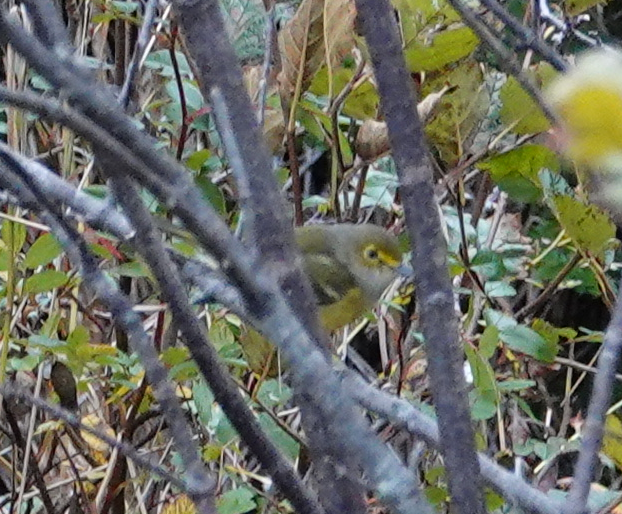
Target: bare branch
(10,391)
(403,414)
(594,427)
(438,320)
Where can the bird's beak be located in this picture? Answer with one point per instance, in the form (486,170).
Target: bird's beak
(405,270)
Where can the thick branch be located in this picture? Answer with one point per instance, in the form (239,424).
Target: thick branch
(438,320)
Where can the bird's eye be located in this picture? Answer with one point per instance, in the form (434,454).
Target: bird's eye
(371,253)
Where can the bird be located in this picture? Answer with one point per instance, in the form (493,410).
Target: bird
(349,267)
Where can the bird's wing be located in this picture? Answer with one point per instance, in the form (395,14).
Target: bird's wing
(341,280)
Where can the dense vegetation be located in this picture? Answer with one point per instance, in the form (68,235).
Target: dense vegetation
(143,218)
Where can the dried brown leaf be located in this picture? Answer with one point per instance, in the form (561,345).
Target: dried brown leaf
(305,39)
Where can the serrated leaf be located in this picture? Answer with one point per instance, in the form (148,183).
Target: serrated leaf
(525,340)
(498,289)
(211,192)
(518,110)
(516,172)
(588,226)
(444,48)
(45,281)
(43,251)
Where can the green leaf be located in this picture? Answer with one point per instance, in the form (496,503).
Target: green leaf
(204,400)
(46,342)
(161,60)
(45,281)
(175,355)
(489,264)
(498,288)
(236,501)
(489,341)
(211,192)
(515,385)
(26,363)
(516,171)
(460,112)
(282,439)
(197,159)
(588,226)
(132,269)
(15,230)
(444,48)
(493,500)
(361,103)
(483,404)
(436,495)
(416,15)
(576,7)
(4,260)
(518,110)
(274,393)
(552,333)
(43,251)
(194,99)
(498,319)
(525,340)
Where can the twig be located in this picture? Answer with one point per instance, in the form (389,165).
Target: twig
(10,391)
(402,414)
(139,50)
(582,367)
(358,193)
(183,134)
(267,61)
(547,15)
(200,485)
(593,429)
(528,37)
(550,288)
(505,58)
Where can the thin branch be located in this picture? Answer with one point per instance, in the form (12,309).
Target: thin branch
(528,37)
(267,61)
(279,318)
(199,483)
(10,391)
(139,49)
(403,415)
(290,323)
(439,323)
(582,367)
(203,352)
(550,288)
(183,134)
(95,212)
(48,25)
(594,427)
(506,59)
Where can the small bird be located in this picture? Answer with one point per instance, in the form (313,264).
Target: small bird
(349,267)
